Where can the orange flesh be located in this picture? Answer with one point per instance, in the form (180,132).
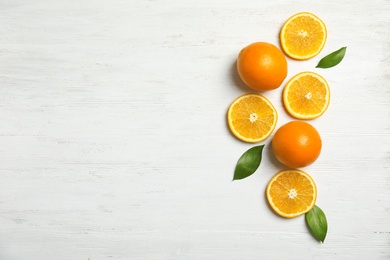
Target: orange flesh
(252,118)
(307,32)
(307,95)
(291,193)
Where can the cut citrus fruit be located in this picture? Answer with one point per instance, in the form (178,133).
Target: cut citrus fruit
(252,118)
(291,193)
(303,36)
(306,95)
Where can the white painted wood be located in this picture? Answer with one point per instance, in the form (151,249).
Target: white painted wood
(114,144)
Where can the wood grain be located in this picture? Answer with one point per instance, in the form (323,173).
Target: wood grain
(114,142)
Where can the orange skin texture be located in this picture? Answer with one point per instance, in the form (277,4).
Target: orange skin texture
(297,144)
(262,66)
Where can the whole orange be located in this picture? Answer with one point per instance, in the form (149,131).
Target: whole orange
(297,144)
(262,66)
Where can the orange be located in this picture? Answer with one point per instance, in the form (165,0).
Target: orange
(252,118)
(296,144)
(306,95)
(291,193)
(262,66)
(303,36)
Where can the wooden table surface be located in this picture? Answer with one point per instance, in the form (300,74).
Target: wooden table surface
(114,143)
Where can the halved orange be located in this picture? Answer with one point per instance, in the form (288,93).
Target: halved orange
(306,95)
(252,118)
(303,36)
(291,193)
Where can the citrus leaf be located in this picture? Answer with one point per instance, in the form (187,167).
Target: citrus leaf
(332,59)
(316,220)
(248,162)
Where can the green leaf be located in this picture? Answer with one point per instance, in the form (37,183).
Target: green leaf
(248,162)
(332,59)
(316,220)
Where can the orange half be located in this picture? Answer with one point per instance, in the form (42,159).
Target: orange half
(252,118)
(306,95)
(291,193)
(303,36)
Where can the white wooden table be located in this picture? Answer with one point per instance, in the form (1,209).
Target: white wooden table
(114,143)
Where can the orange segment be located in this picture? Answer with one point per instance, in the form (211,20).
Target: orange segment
(252,118)
(306,95)
(303,36)
(291,193)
